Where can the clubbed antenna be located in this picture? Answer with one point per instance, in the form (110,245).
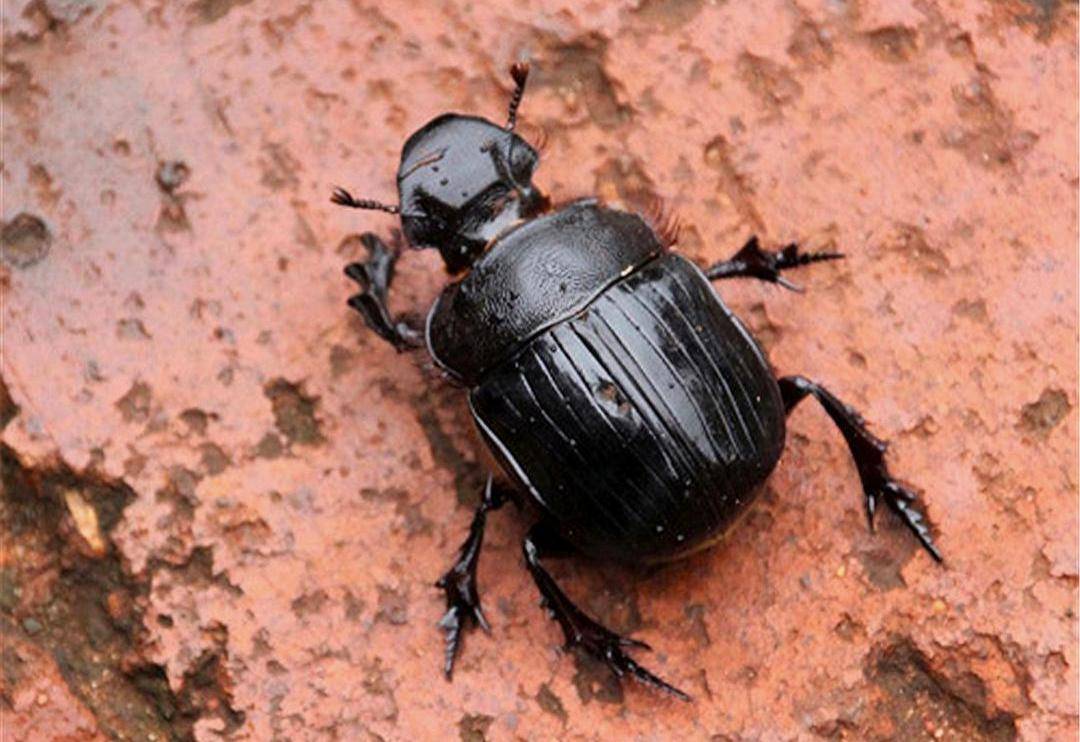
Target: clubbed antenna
(343,198)
(520,72)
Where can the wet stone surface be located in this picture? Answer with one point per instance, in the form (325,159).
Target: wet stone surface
(224,502)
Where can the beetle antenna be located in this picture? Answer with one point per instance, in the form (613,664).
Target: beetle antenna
(341,197)
(520,72)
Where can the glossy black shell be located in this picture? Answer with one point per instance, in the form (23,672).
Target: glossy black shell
(635,408)
(534,276)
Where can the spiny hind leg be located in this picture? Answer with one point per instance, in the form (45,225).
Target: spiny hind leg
(868,451)
(459,582)
(580,630)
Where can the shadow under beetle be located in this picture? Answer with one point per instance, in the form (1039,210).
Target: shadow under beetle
(622,398)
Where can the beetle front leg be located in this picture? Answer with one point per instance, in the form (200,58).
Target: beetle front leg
(459,582)
(374,276)
(580,630)
(868,451)
(753,262)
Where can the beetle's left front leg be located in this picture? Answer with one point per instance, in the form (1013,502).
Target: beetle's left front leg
(753,262)
(374,276)
(459,582)
(580,630)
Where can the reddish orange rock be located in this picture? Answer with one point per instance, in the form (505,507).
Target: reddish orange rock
(264,492)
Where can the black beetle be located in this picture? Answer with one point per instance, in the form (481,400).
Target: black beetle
(610,381)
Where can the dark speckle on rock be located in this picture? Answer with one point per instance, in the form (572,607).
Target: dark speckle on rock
(25,241)
(134,406)
(209,11)
(269,446)
(550,702)
(171,175)
(393,607)
(594,681)
(294,412)
(214,459)
(896,44)
(1044,414)
(474,727)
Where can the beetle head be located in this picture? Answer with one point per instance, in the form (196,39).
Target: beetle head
(462,181)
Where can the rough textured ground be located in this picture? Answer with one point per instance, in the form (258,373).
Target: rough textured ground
(225,501)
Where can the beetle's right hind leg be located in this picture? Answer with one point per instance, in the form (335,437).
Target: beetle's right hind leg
(753,262)
(580,630)
(868,451)
(459,582)
(374,276)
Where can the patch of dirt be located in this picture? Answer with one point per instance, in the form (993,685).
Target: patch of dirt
(474,727)
(666,15)
(26,241)
(811,46)
(922,702)
(883,568)
(771,83)
(575,71)
(594,681)
(623,179)
(90,617)
(1040,18)
(910,242)
(209,11)
(731,183)
(8,409)
(550,702)
(294,412)
(135,405)
(197,420)
(1044,414)
(279,168)
(171,175)
(987,135)
(893,44)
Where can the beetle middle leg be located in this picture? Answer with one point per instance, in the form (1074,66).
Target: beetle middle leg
(753,262)
(374,276)
(580,630)
(459,582)
(868,451)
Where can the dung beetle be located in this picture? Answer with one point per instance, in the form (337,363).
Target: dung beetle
(626,404)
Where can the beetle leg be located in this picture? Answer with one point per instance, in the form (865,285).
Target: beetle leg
(753,262)
(374,276)
(459,582)
(580,630)
(868,451)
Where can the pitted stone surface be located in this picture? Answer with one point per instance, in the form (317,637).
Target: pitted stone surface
(225,501)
